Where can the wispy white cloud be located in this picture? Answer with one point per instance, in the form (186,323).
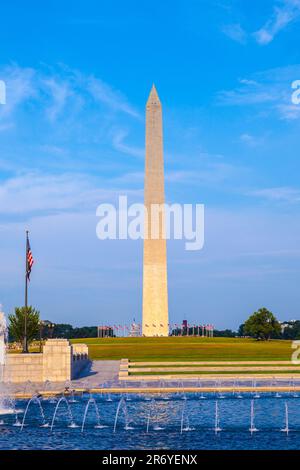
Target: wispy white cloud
(288,112)
(53,149)
(33,193)
(19,88)
(284,13)
(246,94)
(51,90)
(235,32)
(269,90)
(59,92)
(119,144)
(210,174)
(245,81)
(112,98)
(279,194)
(251,140)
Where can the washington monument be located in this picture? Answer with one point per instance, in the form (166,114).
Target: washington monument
(155,284)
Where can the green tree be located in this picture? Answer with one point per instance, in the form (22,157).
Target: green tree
(241,330)
(262,325)
(16,326)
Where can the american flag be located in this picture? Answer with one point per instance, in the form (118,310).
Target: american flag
(29,260)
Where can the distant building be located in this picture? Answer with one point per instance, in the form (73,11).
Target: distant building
(287,324)
(135,330)
(105,332)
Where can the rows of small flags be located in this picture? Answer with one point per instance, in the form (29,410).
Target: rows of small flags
(175,329)
(135,329)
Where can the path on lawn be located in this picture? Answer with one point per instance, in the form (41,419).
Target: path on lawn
(98,373)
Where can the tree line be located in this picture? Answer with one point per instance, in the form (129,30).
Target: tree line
(261,325)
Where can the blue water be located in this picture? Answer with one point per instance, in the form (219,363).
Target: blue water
(179,422)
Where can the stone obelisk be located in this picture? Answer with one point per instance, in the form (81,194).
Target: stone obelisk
(155,287)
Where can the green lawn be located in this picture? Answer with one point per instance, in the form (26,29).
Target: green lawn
(187,349)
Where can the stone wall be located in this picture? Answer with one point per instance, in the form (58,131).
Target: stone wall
(23,367)
(59,361)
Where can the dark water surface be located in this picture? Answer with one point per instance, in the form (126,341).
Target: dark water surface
(178,422)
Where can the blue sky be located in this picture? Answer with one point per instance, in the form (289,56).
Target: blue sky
(72,136)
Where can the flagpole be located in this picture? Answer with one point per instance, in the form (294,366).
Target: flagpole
(25,345)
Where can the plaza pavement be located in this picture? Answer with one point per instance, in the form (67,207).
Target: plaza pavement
(98,373)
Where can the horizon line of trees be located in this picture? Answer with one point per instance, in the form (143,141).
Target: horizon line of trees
(261,325)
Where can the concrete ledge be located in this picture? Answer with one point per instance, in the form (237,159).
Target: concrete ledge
(161,390)
(123,370)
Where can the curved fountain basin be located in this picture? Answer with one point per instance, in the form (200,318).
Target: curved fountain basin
(222,420)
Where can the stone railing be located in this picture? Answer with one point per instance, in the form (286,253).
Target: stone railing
(80,358)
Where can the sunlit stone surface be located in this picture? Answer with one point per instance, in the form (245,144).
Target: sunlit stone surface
(155,289)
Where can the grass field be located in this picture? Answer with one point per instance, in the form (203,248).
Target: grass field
(187,349)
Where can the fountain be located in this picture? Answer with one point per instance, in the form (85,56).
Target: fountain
(274,383)
(252,419)
(12,409)
(35,400)
(70,415)
(127,396)
(218,385)
(92,401)
(293,387)
(70,390)
(286,429)
(173,418)
(3,337)
(107,395)
(151,408)
(122,404)
(236,386)
(72,398)
(109,398)
(182,394)
(27,387)
(146,397)
(156,427)
(184,415)
(217,418)
(201,396)
(47,385)
(239,395)
(162,385)
(6,403)
(254,386)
